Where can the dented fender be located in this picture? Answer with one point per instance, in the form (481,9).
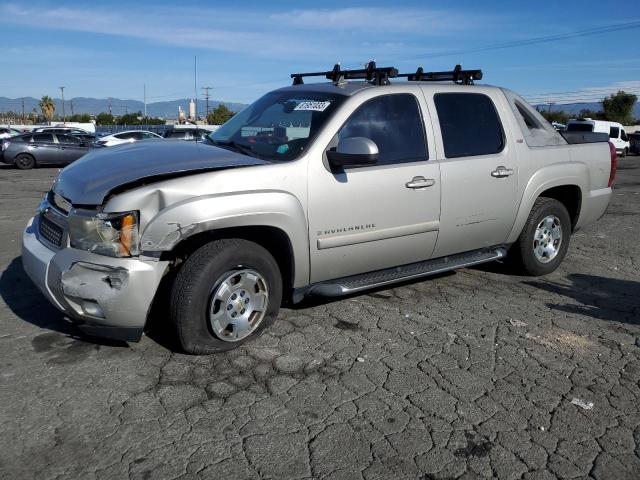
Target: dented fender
(269,208)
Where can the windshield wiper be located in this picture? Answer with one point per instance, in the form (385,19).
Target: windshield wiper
(238,147)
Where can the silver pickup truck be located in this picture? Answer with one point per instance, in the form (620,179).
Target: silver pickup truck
(317,189)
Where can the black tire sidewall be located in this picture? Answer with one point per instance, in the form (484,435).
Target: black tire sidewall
(529,262)
(190,303)
(29,166)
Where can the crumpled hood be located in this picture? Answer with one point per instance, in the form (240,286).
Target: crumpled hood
(89,180)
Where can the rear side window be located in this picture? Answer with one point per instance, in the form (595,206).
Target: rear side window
(469,124)
(529,121)
(394,123)
(614,132)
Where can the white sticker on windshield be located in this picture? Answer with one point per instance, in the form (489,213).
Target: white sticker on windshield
(313,106)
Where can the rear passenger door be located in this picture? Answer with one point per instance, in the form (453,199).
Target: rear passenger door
(479,171)
(71,148)
(44,149)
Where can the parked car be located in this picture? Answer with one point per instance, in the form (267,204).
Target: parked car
(191,134)
(128,136)
(634,143)
(352,185)
(36,149)
(617,135)
(7,132)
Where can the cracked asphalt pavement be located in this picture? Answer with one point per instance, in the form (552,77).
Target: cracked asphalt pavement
(475,374)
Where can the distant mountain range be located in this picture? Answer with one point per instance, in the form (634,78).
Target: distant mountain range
(93,106)
(169,108)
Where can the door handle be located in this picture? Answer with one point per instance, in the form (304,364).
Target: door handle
(502,172)
(420,182)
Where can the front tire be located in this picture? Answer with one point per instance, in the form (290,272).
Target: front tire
(544,240)
(24,161)
(226,293)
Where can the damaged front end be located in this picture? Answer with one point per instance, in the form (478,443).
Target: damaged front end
(107,296)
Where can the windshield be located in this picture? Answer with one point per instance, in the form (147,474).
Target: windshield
(278,126)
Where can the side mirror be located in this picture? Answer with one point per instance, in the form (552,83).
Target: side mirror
(353,151)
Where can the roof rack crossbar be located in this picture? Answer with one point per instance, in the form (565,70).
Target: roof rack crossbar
(457,75)
(372,73)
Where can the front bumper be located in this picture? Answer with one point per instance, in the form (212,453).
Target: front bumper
(106,297)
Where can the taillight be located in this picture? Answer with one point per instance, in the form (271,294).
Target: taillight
(614,164)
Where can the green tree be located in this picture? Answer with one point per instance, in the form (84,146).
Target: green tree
(219,115)
(80,118)
(152,121)
(129,119)
(586,113)
(555,116)
(47,106)
(105,119)
(619,107)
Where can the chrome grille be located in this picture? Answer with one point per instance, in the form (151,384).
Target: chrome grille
(50,231)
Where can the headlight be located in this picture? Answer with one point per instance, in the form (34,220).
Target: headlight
(112,234)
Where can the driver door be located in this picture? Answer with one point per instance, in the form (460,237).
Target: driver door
(374,217)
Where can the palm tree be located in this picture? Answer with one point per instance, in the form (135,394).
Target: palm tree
(47,106)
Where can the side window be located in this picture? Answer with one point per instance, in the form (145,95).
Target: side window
(68,139)
(43,138)
(394,123)
(623,136)
(528,119)
(469,124)
(614,132)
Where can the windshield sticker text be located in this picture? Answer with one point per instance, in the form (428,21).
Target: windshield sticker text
(313,106)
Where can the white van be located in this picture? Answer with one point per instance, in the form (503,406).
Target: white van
(616,133)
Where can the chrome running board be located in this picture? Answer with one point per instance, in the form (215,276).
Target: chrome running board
(380,278)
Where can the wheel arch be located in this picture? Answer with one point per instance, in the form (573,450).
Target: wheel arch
(563,182)
(273,239)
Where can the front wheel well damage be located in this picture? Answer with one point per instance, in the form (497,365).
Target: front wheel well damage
(570,196)
(273,239)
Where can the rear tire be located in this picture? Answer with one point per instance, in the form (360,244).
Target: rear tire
(544,240)
(226,293)
(24,161)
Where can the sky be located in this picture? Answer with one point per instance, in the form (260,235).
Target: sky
(246,48)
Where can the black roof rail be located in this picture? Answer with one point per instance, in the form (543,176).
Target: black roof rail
(381,75)
(457,75)
(372,73)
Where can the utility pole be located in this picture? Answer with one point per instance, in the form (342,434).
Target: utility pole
(206,97)
(64,118)
(195,84)
(109,99)
(550,103)
(23,110)
(145,100)
(71,103)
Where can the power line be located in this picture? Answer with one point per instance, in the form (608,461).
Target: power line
(531,41)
